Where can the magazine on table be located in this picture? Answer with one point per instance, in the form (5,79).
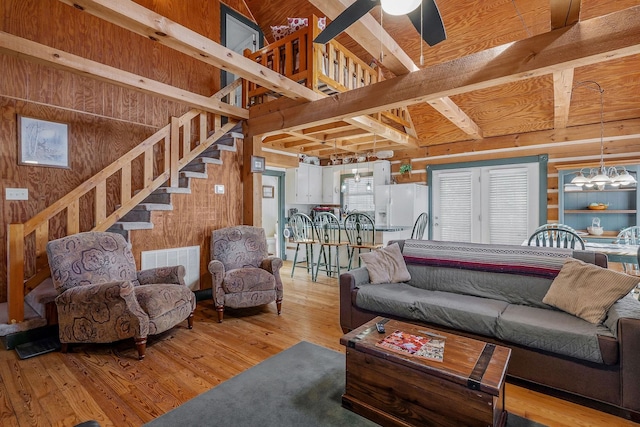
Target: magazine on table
(427,347)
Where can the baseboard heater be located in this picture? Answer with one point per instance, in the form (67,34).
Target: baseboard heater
(188,256)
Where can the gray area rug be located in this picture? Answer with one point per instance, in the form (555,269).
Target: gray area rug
(301,386)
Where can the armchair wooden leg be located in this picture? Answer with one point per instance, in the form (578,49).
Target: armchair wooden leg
(141,346)
(190,321)
(279,306)
(220,311)
(64,347)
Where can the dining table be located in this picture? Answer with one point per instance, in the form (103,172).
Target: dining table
(616,252)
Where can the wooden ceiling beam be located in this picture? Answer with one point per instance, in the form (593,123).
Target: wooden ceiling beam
(593,41)
(369,34)
(385,131)
(32,51)
(455,115)
(562,88)
(133,17)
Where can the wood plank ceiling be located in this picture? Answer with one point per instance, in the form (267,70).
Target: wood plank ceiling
(541,103)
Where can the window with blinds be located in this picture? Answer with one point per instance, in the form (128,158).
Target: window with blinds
(357,196)
(454,196)
(489,204)
(508,205)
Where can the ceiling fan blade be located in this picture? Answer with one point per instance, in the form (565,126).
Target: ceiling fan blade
(432,27)
(343,21)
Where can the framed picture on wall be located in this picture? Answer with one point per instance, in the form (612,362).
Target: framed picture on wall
(267,191)
(42,143)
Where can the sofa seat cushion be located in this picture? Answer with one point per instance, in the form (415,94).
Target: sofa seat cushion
(554,331)
(464,312)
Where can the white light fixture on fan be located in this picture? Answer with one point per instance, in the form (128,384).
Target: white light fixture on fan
(399,7)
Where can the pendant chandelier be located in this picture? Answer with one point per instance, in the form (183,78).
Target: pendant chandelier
(600,177)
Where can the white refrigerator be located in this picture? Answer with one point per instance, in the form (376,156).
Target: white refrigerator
(399,205)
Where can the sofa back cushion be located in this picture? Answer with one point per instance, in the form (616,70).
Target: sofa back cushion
(515,274)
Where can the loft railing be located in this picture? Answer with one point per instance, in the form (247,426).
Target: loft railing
(329,68)
(153,162)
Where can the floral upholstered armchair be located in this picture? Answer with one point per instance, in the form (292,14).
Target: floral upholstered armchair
(102,298)
(242,273)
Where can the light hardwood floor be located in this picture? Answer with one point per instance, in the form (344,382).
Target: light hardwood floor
(108,384)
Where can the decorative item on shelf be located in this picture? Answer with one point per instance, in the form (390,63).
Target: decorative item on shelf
(598,206)
(602,176)
(595,229)
(383,155)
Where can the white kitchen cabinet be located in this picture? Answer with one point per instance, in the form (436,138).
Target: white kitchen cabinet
(381,172)
(331,185)
(303,185)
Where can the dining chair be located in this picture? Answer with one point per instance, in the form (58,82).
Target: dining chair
(361,234)
(556,238)
(302,231)
(329,235)
(420,226)
(629,236)
(555,225)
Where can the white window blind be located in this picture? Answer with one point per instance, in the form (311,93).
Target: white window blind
(455,202)
(357,197)
(508,205)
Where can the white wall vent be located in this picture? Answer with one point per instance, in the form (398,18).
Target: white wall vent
(188,256)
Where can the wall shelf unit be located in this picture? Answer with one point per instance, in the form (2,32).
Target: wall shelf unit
(573,205)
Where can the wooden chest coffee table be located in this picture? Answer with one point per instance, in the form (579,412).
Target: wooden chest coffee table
(390,388)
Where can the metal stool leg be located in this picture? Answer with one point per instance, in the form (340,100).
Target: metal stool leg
(295,259)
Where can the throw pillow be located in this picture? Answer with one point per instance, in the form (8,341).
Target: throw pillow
(588,291)
(296,23)
(386,265)
(280,31)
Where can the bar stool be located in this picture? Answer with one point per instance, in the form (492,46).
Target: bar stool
(328,233)
(302,231)
(361,232)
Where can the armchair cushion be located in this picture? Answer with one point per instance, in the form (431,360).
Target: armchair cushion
(248,279)
(173,274)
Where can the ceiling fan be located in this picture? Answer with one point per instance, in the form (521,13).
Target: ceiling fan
(428,23)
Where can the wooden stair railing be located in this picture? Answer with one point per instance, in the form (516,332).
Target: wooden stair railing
(176,144)
(329,68)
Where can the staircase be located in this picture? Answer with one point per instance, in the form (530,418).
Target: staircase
(188,145)
(139,218)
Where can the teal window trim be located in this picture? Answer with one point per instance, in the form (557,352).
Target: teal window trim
(541,159)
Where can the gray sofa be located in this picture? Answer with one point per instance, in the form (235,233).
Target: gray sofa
(494,293)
